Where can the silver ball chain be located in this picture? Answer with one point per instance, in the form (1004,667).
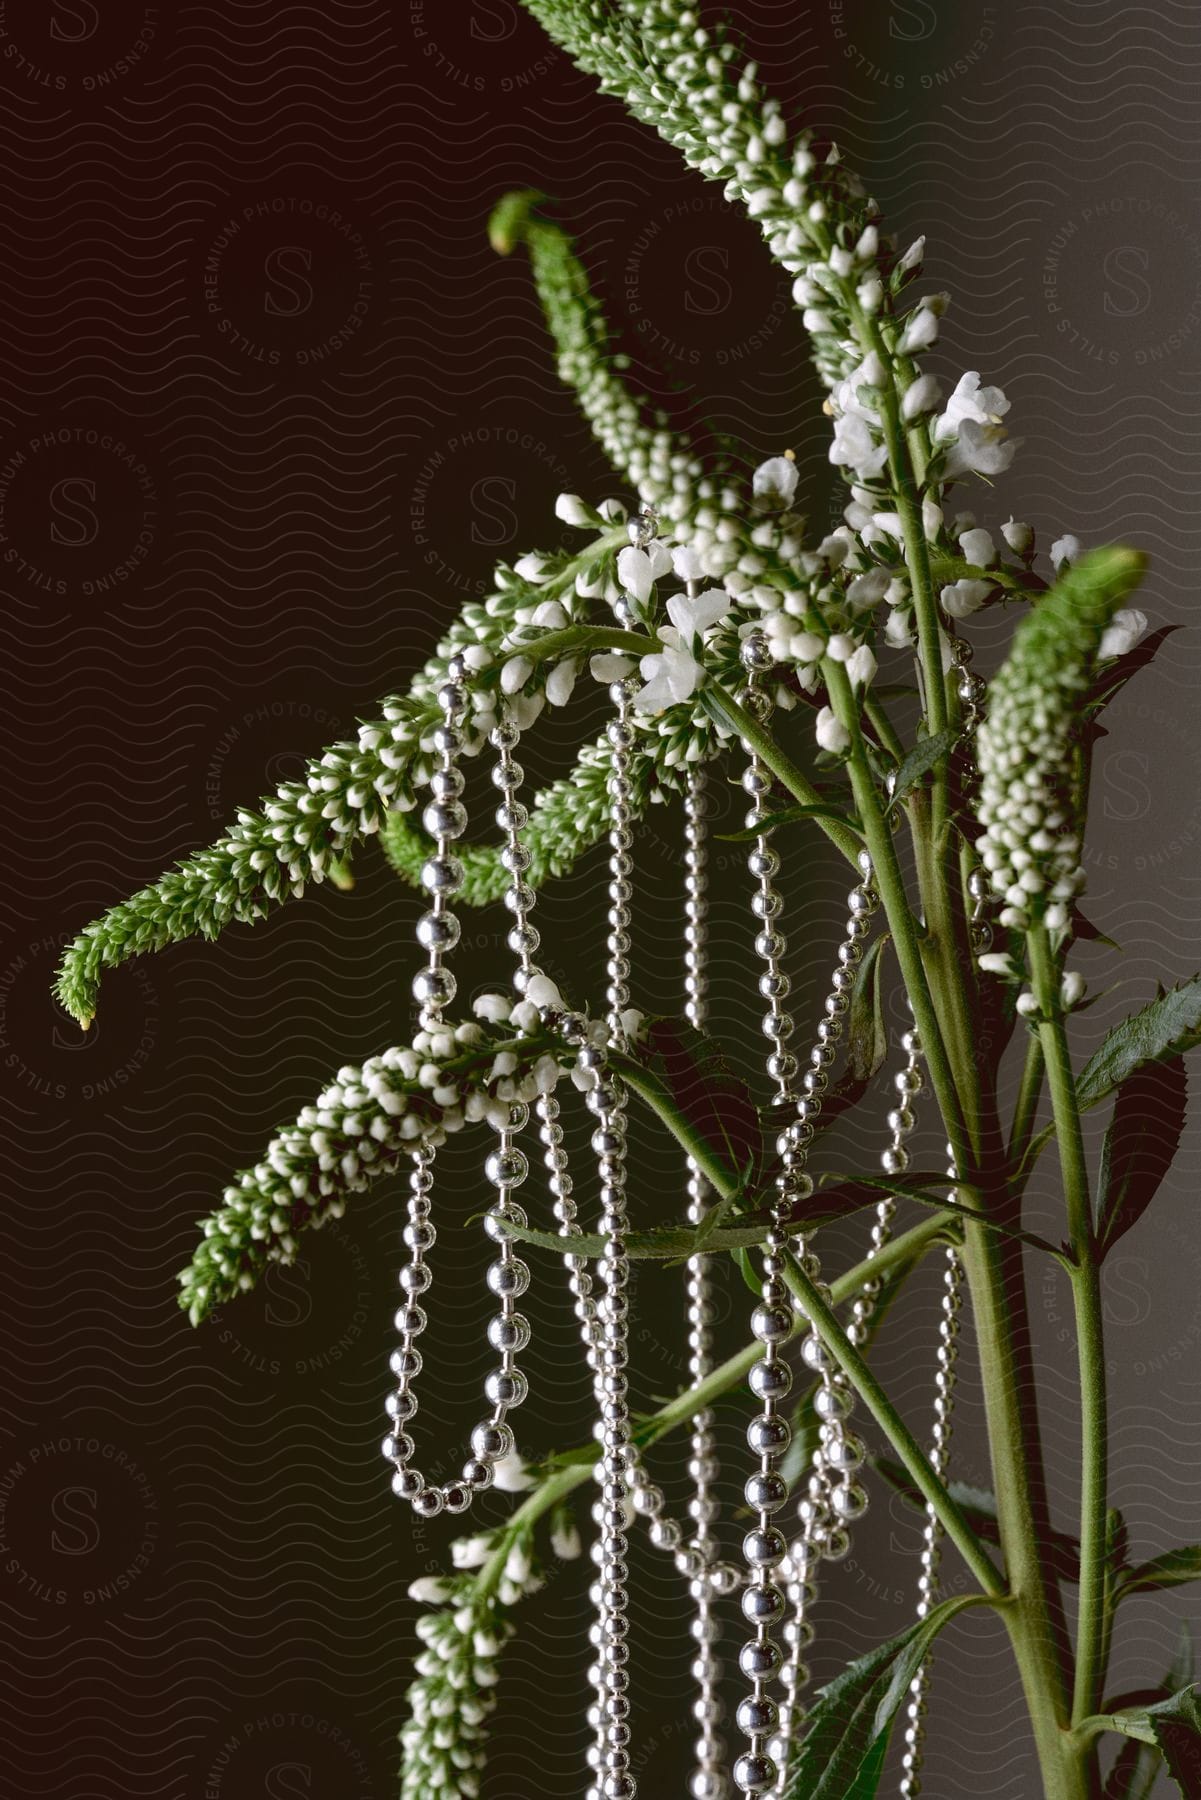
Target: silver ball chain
(709,1780)
(770,1728)
(434,987)
(606,1099)
(932,1533)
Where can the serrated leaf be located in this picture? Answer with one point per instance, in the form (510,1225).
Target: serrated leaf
(1173,1569)
(919,761)
(979,1508)
(1173,1726)
(1140,1146)
(1168,1027)
(1135,1768)
(851,1720)
(717,1103)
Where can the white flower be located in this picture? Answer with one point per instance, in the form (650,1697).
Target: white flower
(635,573)
(970,401)
(922,396)
(1018,536)
(1066,550)
(517,1564)
(561,680)
(692,617)
(898,628)
(978,547)
(660,556)
(855,447)
(997,962)
(1027,1005)
(532,567)
(573,511)
(921,330)
(551,615)
(962,598)
(428,1588)
(472,1552)
(1123,632)
(867,590)
(913,255)
(671,675)
(775,480)
(831,735)
(861,667)
(515,674)
(841,647)
(565,1540)
(980,450)
(610,667)
(541,991)
(1072,988)
(510,1474)
(687,562)
(493,1007)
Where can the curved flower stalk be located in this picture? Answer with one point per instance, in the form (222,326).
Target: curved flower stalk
(664,468)
(360,1127)
(1028,748)
(442,1740)
(567,820)
(299,833)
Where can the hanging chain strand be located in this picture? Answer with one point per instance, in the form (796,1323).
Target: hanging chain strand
(709,1781)
(434,987)
(770,1379)
(606,1099)
(770,1727)
(932,1532)
(971,690)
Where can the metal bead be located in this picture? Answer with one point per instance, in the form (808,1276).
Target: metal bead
(770,1380)
(755,1774)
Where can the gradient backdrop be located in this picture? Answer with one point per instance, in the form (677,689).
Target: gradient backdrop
(270,409)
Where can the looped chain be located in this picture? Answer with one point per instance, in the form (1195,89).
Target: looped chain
(434,987)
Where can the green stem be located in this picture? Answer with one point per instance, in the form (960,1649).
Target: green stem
(917,1463)
(1029,1095)
(883,727)
(1086,1291)
(726,708)
(891,885)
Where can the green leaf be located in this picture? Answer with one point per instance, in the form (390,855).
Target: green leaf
(678,1242)
(1110,682)
(1137,1765)
(1173,1726)
(1140,1146)
(920,760)
(979,1508)
(851,1720)
(1173,1569)
(918,1187)
(792,815)
(1170,1025)
(717,1104)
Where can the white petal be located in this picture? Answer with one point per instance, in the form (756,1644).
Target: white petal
(634,572)
(831,735)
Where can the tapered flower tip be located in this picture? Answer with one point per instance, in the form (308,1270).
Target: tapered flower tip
(509,219)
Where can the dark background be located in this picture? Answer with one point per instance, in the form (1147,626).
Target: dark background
(329,430)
